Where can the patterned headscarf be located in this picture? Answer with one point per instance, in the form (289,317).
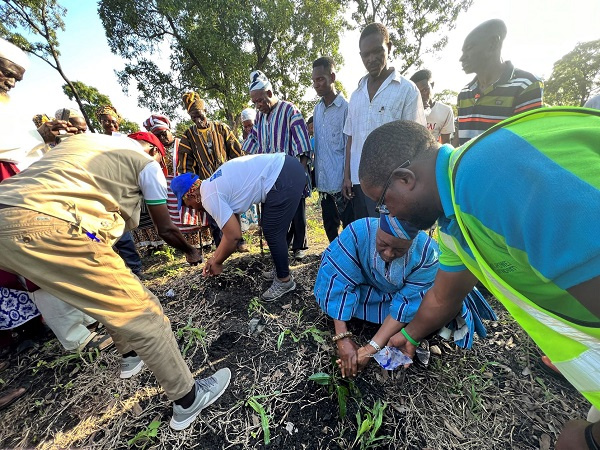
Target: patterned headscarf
(397,228)
(40,119)
(191,100)
(156,123)
(259,81)
(108,110)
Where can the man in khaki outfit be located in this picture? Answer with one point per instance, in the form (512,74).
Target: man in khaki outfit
(58,222)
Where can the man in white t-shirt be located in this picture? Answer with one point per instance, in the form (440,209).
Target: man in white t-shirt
(382,96)
(276,180)
(440,117)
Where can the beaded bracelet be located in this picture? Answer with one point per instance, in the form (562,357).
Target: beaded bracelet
(375,345)
(343,335)
(408,338)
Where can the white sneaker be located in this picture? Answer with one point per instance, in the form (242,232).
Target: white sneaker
(130,366)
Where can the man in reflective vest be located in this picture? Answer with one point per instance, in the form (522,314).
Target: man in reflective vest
(517,209)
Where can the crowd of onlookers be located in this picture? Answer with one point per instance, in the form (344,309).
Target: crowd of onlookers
(76,209)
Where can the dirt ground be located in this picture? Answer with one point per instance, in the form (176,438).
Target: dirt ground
(495,396)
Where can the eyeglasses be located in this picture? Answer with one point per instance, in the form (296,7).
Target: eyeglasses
(380,206)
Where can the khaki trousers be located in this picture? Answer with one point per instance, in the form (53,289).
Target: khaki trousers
(90,276)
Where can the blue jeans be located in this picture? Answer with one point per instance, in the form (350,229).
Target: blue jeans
(125,247)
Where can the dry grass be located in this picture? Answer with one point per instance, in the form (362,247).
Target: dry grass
(464,399)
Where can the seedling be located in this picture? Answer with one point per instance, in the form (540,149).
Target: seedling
(62,362)
(146,436)
(254,403)
(313,332)
(368,426)
(168,253)
(255,306)
(342,388)
(191,335)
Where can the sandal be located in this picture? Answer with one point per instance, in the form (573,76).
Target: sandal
(95,326)
(11,396)
(99,341)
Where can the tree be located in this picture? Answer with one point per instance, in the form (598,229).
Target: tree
(449,97)
(215,44)
(90,100)
(40,19)
(411,23)
(575,76)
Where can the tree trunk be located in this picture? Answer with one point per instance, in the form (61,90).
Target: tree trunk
(75,93)
(78,100)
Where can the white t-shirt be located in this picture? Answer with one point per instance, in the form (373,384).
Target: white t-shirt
(396,99)
(440,119)
(239,183)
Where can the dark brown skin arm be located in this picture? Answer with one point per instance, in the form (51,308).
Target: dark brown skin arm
(232,234)
(441,303)
(169,232)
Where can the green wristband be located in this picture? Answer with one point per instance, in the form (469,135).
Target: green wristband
(408,338)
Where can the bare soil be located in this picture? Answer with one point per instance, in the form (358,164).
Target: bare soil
(495,396)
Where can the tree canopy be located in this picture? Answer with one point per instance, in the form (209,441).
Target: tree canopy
(575,77)
(412,24)
(214,45)
(91,100)
(39,20)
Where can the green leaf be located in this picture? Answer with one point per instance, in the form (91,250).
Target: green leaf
(320,378)
(280,339)
(342,395)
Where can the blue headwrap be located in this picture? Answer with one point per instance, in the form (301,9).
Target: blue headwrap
(397,228)
(181,184)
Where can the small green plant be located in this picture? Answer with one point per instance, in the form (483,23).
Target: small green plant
(146,436)
(368,426)
(264,418)
(254,403)
(191,335)
(343,389)
(62,362)
(313,332)
(168,253)
(254,306)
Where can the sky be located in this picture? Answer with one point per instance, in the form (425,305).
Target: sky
(539,33)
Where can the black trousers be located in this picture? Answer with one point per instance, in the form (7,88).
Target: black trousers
(279,209)
(298,229)
(363,206)
(332,217)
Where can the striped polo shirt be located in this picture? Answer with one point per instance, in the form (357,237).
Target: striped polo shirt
(516,91)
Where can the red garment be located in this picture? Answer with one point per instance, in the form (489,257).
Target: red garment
(7,170)
(7,279)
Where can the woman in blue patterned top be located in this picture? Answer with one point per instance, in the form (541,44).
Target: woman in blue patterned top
(378,270)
